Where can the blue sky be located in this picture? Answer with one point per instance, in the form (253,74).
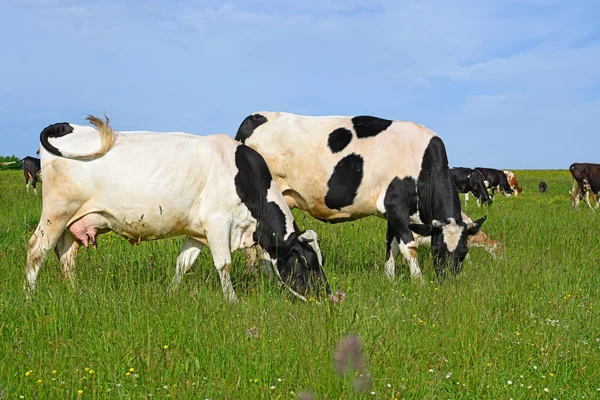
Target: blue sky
(506,84)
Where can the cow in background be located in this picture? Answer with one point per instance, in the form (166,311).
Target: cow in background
(225,198)
(32,171)
(468,180)
(344,168)
(543,187)
(512,182)
(586,183)
(495,180)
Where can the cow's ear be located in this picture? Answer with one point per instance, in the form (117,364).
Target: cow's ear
(308,236)
(424,229)
(475,226)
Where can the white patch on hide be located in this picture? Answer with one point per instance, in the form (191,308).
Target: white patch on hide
(452,233)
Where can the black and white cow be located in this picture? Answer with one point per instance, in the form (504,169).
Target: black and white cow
(344,168)
(543,187)
(496,179)
(32,171)
(467,181)
(221,195)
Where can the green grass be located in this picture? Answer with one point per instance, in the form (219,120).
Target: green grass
(531,317)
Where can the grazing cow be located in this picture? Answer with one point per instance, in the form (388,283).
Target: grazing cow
(344,168)
(543,187)
(586,182)
(512,182)
(495,180)
(467,181)
(32,172)
(224,197)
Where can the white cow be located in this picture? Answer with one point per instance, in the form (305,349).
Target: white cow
(147,186)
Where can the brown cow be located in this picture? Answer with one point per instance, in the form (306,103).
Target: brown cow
(512,182)
(586,181)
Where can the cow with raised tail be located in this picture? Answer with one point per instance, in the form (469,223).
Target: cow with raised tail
(343,168)
(222,195)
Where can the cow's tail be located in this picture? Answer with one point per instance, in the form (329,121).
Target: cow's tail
(107,138)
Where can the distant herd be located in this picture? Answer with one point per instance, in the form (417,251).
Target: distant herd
(237,193)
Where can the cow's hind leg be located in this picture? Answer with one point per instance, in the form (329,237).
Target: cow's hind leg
(34,183)
(66,250)
(219,232)
(187,256)
(45,237)
(587,194)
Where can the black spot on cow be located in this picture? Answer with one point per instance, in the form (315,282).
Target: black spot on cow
(344,182)
(339,139)
(54,131)
(252,182)
(367,126)
(248,125)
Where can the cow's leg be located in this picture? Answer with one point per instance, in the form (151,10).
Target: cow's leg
(391,252)
(189,252)
(575,195)
(400,234)
(45,237)
(27,181)
(34,183)
(466,198)
(587,200)
(219,233)
(66,250)
(586,192)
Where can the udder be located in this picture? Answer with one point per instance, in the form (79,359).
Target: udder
(89,226)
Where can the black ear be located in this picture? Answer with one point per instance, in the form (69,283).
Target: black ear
(475,226)
(424,229)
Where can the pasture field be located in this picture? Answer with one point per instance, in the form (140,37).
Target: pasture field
(526,325)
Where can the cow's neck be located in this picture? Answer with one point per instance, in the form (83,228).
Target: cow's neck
(274,238)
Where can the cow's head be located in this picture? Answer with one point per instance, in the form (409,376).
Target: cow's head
(448,242)
(301,267)
(479,188)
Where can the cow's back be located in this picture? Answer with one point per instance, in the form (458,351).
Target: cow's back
(313,157)
(165,173)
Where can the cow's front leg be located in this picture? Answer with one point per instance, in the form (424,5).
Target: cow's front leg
(219,232)
(401,239)
(466,198)
(187,256)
